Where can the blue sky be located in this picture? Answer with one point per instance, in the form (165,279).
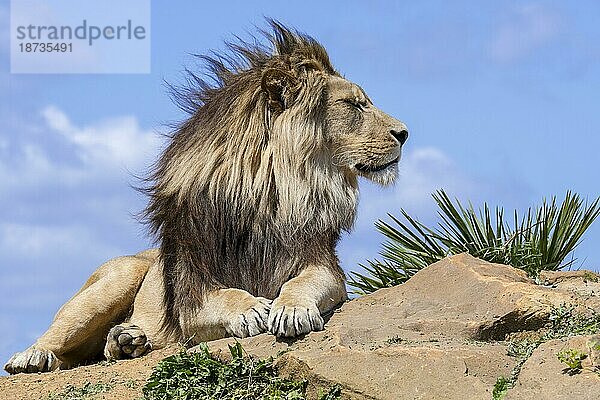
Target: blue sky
(501,99)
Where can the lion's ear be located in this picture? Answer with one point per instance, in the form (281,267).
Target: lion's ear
(278,86)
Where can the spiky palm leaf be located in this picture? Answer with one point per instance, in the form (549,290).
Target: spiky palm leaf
(542,239)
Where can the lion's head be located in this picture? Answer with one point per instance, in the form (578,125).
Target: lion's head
(265,169)
(364,139)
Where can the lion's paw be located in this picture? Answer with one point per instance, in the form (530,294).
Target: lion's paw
(252,321)
(292,320)
(32,360)
(126,341)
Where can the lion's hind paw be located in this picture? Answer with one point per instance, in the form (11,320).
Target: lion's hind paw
(32,360)
(126,341)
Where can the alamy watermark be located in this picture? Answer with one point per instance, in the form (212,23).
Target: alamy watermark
(80,36)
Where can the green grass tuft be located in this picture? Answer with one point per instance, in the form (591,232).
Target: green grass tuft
(88,390)
(542,239)
(500,388)
(332,394)
(565,321)
(572,358)
(199,376)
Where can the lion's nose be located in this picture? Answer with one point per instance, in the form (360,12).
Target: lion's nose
(400,136)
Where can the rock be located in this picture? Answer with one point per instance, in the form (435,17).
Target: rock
(441,335)
(583,283)
(430,338)
(459,297)
(411,369)
(543,376)
(402,372)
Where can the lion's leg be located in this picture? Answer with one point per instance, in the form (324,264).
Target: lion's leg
(126,340)
(233,312)
(78,331)
(303,299)
(143,331)
(32,360)
(224,312)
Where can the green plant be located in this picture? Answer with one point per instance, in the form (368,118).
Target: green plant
(564,321)
(521,350)
(130,384)
(500,388)
(590,277)
(106,363)
(199,376)
(88,390)
(332,394)
(542,239)
(573,358)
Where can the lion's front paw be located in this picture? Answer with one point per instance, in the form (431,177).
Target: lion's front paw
(126,341)
(252,321)
(293,319)
(32,360)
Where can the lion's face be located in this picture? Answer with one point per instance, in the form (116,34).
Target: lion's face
(365,140)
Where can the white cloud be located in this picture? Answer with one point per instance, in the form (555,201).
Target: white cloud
(528,28)
(426,170)
(65,202)
(116,142)
(422,172)
(107,149)
(33,168)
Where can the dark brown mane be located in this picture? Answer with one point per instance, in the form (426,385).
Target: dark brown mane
(219,196)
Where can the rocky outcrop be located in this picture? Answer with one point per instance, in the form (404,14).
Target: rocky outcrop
(543,376)
(441,335)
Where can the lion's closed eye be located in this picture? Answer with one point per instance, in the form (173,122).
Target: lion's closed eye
(355,103)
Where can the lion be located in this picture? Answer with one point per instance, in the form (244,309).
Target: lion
(247,203)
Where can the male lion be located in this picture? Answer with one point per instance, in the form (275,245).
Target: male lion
(247,203)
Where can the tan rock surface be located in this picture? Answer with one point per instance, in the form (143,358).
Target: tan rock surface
(126,377)
(583,283)
(438,336)
(544,377)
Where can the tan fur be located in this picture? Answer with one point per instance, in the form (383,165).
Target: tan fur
(276,174)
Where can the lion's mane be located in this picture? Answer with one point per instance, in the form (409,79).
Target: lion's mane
(245,192)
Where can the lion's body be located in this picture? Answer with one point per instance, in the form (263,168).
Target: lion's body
(247,202)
